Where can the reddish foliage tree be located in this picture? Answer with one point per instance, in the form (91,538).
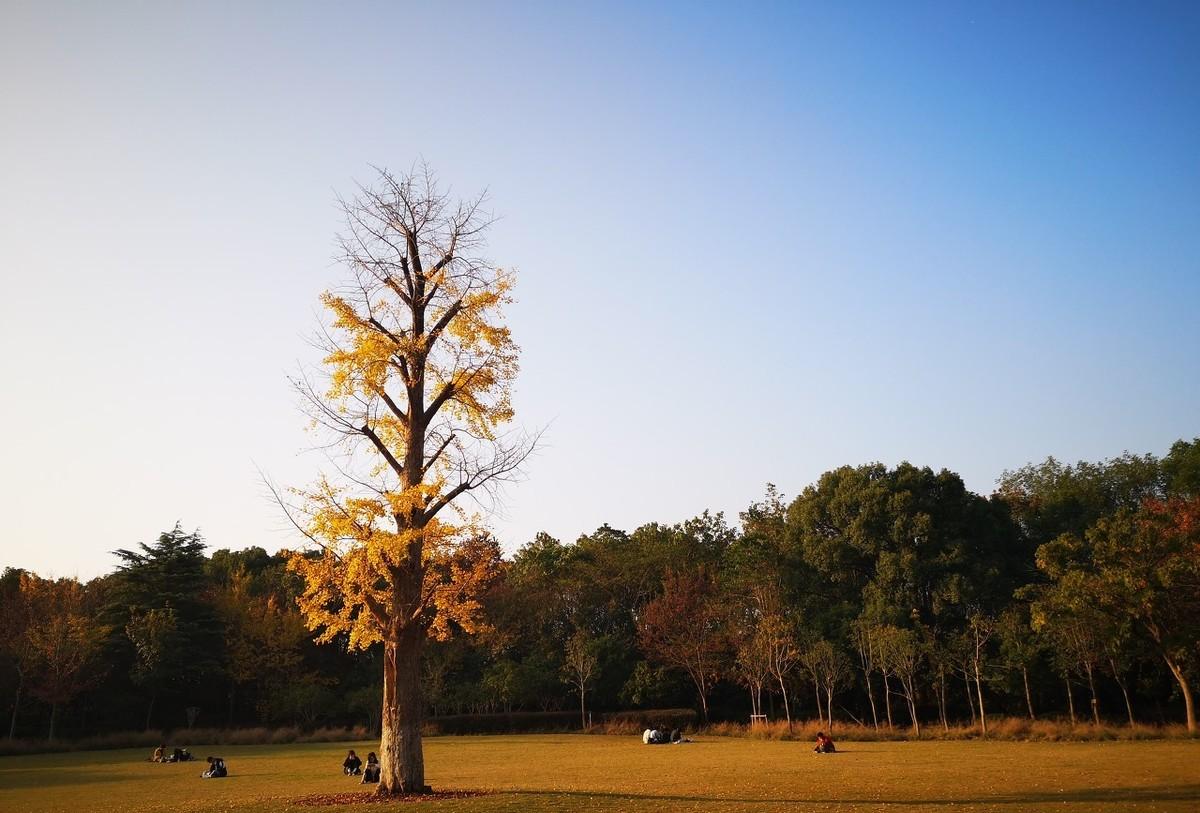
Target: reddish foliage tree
(684,628)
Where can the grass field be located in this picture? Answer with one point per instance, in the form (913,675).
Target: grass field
(607,773)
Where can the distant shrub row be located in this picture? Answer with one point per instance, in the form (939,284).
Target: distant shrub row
(1008,728)
(624,723)
(522,722)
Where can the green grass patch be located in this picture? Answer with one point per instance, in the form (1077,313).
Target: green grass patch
(572,772)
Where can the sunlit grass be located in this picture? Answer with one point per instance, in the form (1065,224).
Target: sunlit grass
(578,772)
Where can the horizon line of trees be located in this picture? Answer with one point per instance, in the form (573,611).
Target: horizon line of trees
(887,596)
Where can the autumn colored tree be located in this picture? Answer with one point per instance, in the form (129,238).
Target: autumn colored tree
(764,634)
(685,628)
(263,637)
(829,669)
(779,636)
(418,370)
(752,665)
(1147,572)
(19,614)
(65,642)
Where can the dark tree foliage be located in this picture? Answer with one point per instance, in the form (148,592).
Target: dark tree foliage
(165,580)
(937,605)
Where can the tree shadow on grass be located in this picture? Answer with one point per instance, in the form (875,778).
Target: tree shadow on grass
(67,776)
(1179,793)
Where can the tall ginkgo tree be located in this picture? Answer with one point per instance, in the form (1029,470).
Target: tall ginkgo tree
(413,397)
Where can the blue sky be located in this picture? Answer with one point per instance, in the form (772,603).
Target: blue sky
(753,244)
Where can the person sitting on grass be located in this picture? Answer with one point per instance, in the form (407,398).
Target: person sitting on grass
(371,774)
(352,766)
(824,744)
(216,769)
(179,755)
(160,754)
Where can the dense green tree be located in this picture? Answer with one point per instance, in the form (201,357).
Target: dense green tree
(1181,469)
(166,581)
(1049,499)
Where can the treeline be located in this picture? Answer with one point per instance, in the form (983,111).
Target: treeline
(885,596)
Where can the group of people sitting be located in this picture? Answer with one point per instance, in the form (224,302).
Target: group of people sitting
(216,765)
(177,755)
(353,766)
(660,736)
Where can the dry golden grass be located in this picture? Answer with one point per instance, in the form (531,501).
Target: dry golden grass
(578,773)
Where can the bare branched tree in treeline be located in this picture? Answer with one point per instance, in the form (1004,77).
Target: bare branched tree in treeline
(830,670)
(415,392)
(900,653)
(579,668)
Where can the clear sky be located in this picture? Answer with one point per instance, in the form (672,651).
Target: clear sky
(752,244)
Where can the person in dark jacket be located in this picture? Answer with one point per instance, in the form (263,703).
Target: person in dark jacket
(371,772)
(216,769)
(824,744)
(352,766)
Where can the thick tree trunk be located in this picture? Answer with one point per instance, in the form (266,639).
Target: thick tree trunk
(1028,696)
(1185,689)
(401,758)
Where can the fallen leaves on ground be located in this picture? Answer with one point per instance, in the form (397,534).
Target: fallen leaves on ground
(370,797)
